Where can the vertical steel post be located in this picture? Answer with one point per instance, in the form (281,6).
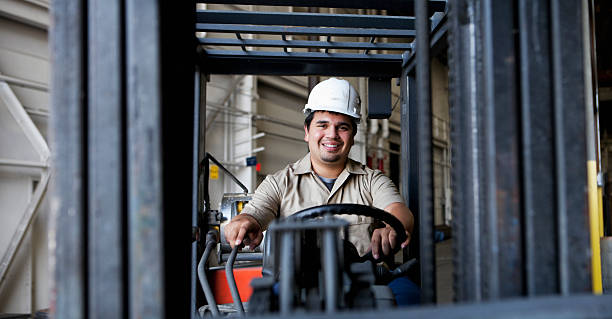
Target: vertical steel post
(287,269)
(467,149)
(69,187)
(537,150)
(330,269)
(194,196)
(409,157)
(570,146)
(405,149)
(177,49)
(503,248)
(595,218)
(106,160)
(425,176)
(146,271)
(408,164)
(198,181)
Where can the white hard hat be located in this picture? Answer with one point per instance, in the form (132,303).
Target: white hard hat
(334,95)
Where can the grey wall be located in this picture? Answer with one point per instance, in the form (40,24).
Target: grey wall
(24,67)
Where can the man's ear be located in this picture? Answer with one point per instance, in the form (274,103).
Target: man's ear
(305,133)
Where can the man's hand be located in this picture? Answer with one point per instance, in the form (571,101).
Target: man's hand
(384,241)
(243,229)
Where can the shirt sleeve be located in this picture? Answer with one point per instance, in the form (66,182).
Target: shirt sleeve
(265,204)
(384,192)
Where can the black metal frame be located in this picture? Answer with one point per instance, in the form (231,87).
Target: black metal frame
(406,7)
(306,19)
(537,193)
(377,67)
(265,62)
(424,156)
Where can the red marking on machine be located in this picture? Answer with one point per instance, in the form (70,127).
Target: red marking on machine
(243,276)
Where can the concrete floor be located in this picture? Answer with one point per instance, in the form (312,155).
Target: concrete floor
(444,271)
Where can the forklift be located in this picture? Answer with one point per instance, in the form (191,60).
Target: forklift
(431,36)
(129,189)
(305,264)
(327,276)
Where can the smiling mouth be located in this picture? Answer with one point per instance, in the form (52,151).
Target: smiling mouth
(331,147)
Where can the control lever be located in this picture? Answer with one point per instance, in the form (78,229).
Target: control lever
(211,241)
(385,276)
(231,281)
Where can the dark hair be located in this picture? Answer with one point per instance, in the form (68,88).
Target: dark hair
(308,120)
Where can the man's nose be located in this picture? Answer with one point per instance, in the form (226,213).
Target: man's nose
(332,131)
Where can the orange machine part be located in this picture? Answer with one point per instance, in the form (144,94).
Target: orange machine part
(243,277)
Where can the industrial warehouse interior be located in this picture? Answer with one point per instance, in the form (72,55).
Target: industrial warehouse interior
(133,132)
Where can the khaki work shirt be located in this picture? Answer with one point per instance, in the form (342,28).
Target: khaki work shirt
(297,187)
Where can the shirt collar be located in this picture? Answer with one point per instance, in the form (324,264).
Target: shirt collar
(303,166)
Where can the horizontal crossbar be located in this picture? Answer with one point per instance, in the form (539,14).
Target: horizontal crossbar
(304,55)
(301,63)
(305,19)
(398,5)
(305,44)
(341,32)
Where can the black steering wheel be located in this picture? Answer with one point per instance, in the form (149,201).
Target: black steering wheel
(356,209)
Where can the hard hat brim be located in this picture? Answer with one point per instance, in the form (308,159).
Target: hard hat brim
(308,109)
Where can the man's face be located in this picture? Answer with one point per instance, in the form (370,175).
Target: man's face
(329,137)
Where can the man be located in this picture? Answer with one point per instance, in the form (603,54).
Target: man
(326,175)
